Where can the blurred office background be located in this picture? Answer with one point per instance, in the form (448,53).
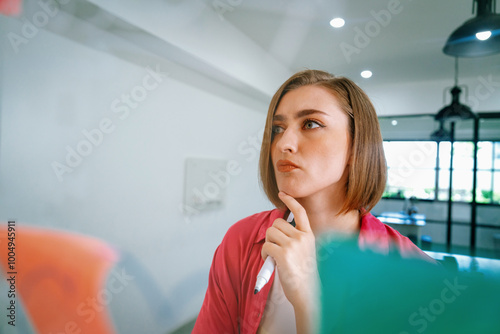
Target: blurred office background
(138,123)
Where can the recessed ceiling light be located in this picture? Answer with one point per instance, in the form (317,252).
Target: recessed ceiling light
(366,74)
(337,22)
(483,35)
(394,122)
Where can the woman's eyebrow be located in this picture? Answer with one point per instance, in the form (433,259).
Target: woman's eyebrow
(300,114)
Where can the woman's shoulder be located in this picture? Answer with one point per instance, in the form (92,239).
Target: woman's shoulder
(253,227)
(239,241)
(375,233)
(372,225)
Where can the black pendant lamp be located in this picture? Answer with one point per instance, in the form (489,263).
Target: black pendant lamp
(441,134)
(455,111)
(479,36)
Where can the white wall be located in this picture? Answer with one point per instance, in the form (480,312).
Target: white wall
(128,190)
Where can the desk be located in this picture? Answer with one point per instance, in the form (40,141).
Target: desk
(410,226)
(490,268)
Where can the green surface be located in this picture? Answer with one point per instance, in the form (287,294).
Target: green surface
(364,292)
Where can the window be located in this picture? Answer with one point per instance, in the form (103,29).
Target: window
(488,175)
(411,169)
(463,164)
(422,169)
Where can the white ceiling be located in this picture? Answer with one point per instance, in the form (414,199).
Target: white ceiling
(252,46)
(408,48)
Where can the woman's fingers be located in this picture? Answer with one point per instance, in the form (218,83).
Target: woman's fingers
(299,213)
(270,249)
(279,233)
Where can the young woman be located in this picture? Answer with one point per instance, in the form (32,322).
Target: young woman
(322,159)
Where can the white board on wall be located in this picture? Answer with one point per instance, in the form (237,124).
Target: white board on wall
(205,184)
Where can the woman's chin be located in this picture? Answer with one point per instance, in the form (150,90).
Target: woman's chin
(292,191)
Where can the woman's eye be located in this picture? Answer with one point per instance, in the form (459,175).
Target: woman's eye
(311,125)
(277,129)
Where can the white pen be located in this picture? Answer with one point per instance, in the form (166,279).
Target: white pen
(268,267)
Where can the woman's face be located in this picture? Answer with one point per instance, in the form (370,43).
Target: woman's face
(311,145)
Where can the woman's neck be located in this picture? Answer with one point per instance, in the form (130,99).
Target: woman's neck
(324,215)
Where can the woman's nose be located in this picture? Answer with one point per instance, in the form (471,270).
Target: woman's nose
(287,142)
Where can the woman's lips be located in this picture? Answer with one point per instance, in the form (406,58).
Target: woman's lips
(285,166)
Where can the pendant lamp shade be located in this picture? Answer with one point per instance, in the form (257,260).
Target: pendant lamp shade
(441,134)
(455,111)
(463,42)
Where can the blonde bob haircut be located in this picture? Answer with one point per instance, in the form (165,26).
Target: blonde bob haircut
(367,170)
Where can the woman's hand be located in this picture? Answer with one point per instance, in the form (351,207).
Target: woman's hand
(294,251)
